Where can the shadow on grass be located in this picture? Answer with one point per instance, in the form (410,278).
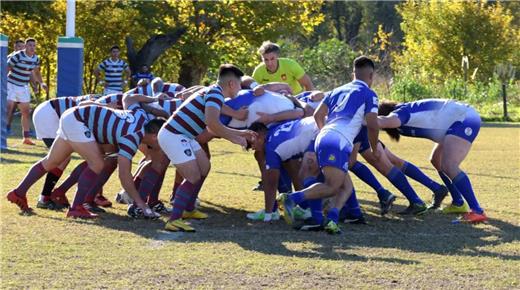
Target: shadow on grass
(431,234)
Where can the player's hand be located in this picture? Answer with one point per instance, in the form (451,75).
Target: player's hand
(242,114)
(264,118)
(258,91)
(239,140)
(249,135)
(316,96)
(44,87)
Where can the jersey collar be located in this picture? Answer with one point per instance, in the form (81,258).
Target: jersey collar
(361,82)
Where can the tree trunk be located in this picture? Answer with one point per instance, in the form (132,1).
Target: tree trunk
(152,49)
(191,72)
(504,97)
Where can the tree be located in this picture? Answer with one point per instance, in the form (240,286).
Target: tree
(439,34)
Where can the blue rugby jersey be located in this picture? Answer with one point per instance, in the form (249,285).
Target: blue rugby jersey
(347,107)
(123,128)
(113,73)
(21,68)
(189,119)
(288,140)
(430,118)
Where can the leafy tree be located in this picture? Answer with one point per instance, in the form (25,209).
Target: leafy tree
(439,34)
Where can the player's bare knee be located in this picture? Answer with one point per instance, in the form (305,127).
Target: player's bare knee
(96,165)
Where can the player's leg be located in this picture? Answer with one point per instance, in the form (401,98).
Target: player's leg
(412,171)
(398,179)
(11,105)
(25,111)
(59,152)
(204,165)
(456,147)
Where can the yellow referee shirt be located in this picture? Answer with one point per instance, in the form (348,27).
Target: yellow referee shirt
(289,71)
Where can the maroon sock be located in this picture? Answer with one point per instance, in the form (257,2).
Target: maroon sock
(153,198)
(73,177)
(137,181)
(86,181)
(150,178)
(103,177)
(26,134)
(35,173)
(193,199)
(182,198)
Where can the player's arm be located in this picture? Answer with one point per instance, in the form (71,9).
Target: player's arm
(320,114)
(390,121)
(306,82)
(240,114)
(280,116)
(212,115)
(270,183)
(130,99)
(155,111)
(38,77)
(373,132)
(127,182)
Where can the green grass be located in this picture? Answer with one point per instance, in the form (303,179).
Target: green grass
(48,250)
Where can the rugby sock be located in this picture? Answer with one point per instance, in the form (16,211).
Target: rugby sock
(462,183)
(363,173)
(176,185)
(137,181)
(397,178)
(73,177)
(316,209)
(50,181)
(182,198)
(26,134)
(87,180)
(333,215)
(150,178)
(306,183)
(153,197)
(102,178)
(416,174)
(284,182)
(193,199)
(35,173)
(352,207)
(456,196)
(297,197)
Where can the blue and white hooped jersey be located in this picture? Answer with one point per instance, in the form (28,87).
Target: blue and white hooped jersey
(288,140)
(348,106)
(430,118)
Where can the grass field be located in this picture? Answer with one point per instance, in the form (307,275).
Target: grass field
(49,251)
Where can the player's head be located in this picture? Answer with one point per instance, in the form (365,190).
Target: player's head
(19,45)
(269,52)
(150,132)
(30,45)
(114,51)
(258,142)
(229,79)
(246,82)
(144,68)
(157,85)
(385,108)
(364,69)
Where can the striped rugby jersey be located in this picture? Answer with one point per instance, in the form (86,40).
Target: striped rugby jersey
(21,68)
(60,105)
(189,119)
(116,98)
(123,128)
(113,73)
(169,106)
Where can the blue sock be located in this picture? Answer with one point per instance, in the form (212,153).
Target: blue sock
(333,215)
(363,173)
(352,205)
(309,181)
(316,209)
(462,183)
(416,174)
(297,197)
(398,179)
(454,192)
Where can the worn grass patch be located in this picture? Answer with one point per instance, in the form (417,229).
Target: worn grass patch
(49,251)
